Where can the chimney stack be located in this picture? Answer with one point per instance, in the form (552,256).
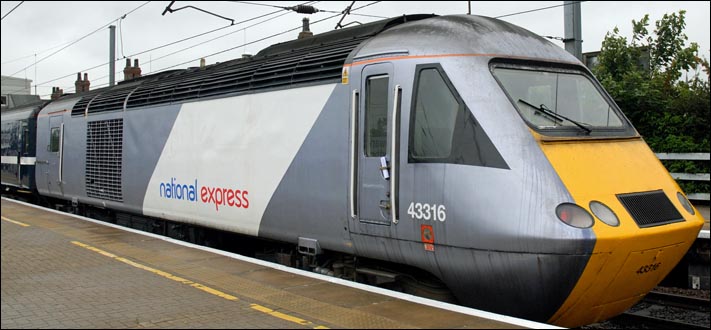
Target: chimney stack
(78,86)
(86,82)
(82,85)
(305,33)
(56,93)
(131,72)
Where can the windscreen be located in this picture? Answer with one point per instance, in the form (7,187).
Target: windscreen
(559,101)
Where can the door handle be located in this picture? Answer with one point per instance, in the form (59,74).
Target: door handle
(395,154)
(354,153)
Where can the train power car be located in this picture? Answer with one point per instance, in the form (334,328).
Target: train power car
(463,147)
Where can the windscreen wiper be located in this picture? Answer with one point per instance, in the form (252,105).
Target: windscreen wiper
(542,108)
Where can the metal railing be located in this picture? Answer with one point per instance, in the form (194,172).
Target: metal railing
(689,176)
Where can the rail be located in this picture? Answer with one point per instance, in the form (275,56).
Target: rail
(690,176)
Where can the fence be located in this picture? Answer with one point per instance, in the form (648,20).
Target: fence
(701,197)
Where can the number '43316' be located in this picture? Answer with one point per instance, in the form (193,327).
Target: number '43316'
(424,211)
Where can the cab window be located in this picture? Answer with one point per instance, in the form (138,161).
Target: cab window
(436,111)
(376,116)
(442,128)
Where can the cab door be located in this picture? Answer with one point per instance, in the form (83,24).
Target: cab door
(55,155)
(374,159)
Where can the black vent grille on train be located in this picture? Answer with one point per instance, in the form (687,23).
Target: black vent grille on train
(651,208)
(317,59)
(104,157)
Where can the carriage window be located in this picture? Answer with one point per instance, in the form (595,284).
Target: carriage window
(25,137)
(54,139)
(436,111)
(376,116)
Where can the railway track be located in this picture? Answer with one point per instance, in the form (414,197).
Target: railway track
(634,320)
(678,300)
(662,310)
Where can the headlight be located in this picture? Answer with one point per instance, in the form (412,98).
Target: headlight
(574,215)
(685,203)
(604,213)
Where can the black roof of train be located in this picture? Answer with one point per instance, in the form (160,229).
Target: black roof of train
(313,59)
(364,30)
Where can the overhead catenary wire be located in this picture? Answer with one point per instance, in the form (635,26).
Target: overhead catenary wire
(301,9)
(121,35)
(208,32)
(258,4)
(538,9)
(251,42)
(149,50)
(206,41)
(363,15)
(258,40)
(184,39)
(304,9)
(11,10)
(74,42)
(171,10)
(34,54)
(345,13)
(219,37)
(176,42)
(20,58)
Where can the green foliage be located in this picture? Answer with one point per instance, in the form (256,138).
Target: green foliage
(644,77)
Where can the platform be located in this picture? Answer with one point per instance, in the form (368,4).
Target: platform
(64,271)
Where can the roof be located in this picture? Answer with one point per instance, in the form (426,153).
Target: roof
(319,58)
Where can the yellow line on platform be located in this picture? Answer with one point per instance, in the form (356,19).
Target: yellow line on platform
(286,317)
(198,286)
(15,222)
(158,272)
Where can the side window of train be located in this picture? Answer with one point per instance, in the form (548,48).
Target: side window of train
(435,113)
(54,139)
(442,128)
(25,137)
(376,116)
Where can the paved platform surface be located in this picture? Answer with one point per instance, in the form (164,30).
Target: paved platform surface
(62,272)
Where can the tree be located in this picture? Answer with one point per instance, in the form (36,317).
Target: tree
(644,77)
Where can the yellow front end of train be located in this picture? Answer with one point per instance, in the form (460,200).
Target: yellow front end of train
(629,259)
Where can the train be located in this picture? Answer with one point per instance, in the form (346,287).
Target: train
(460,153)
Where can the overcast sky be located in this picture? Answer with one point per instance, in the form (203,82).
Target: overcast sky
(45,28)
